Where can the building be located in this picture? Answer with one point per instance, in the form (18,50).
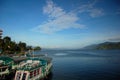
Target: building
(1,33)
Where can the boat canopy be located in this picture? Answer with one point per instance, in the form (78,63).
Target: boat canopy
(5,60)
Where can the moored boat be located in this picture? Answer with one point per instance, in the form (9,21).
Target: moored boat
(8,66)
(34,69)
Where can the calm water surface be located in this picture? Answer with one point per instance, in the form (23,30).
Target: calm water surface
(85,64)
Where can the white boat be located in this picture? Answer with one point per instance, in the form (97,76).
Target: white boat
(34,69)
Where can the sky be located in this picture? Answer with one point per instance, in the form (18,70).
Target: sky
(62,24)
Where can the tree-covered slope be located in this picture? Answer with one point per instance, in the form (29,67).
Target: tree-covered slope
(105,45)
(108,45)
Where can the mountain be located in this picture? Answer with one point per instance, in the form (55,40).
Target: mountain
(93,46)
(104,46)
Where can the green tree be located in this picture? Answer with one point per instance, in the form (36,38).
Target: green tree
(1,43)
(13,46)
(29,47)
(6,46)
(7,39)
(37,48)
(22,46)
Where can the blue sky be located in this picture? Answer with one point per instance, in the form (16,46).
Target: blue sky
(60,23)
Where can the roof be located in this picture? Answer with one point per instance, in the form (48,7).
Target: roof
(48,59)
(34,63)
(42,56)
(7,60)
(18,59)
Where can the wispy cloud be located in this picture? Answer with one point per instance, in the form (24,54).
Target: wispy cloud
(91,10)
(58,19)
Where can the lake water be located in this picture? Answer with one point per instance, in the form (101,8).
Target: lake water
(84,64)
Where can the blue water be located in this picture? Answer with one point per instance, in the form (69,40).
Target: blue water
(85,64)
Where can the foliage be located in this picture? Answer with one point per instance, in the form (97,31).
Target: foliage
(37,48)
(109,45)
(10,47)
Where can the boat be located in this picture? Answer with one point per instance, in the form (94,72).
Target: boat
(8,66)
(4,70)
(36,68)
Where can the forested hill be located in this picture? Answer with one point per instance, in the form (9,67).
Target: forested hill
(105,45)
(109,45)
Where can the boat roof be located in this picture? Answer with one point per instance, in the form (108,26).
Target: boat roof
(48,59)
(8,59)
(41,56)
(19,59)
(30,62)
(5,60)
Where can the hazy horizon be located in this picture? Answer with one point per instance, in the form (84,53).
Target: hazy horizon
(60,24)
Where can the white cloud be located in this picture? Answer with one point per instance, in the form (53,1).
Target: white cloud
(91,10)
(58,19)
(52,10)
